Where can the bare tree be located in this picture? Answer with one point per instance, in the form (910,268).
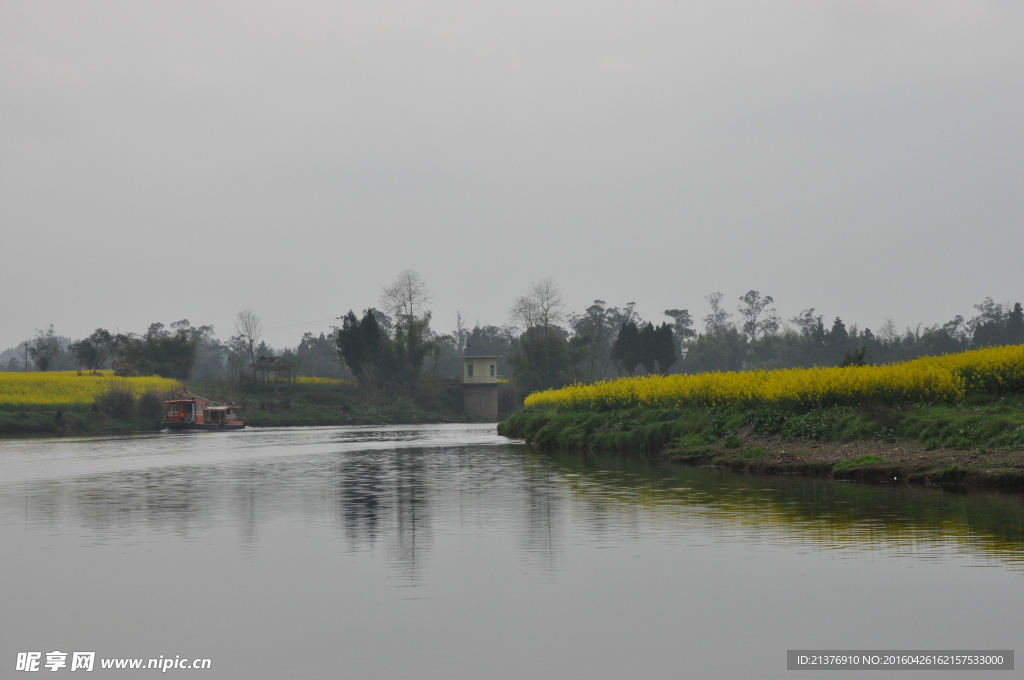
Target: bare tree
(249,331)
(550,305)
(405,297)
(511,334)
(460,333)
(542,306)
(524,312)
(888,331)
(751,309)
(718,320)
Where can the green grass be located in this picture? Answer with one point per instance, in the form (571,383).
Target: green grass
(624,431)
(325,404)
(996,423)
(80,418)
(859,462)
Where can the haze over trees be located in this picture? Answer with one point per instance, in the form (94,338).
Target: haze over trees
(393,352)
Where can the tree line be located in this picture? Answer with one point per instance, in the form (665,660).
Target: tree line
(391,349)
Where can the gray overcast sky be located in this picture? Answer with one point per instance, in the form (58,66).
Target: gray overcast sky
(191,159)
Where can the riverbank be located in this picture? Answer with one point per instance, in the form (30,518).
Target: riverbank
(320,403)
(36,419)
(299,404)
(978,444)
(57,419)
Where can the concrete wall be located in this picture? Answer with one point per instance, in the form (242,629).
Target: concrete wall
(481,401)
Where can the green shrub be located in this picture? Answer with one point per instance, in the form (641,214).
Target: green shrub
(151,405)
(116,402)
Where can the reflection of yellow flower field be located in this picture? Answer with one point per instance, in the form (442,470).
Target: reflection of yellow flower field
(68,387)
(929,379)
(864,517)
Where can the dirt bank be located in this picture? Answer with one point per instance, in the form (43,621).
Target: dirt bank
(862,460)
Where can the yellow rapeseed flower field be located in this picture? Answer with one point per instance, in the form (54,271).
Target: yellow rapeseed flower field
(929,379)
(68,387)
(309,380)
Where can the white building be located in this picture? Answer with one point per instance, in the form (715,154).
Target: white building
(480,387)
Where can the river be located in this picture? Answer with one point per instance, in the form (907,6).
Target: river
(450,552)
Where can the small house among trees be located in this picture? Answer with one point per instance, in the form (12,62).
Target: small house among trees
(272,368)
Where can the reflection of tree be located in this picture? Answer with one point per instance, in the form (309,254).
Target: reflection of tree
(820,512)
(169,497)
(166,499)
(400,496)
(245,502)
(359,484)
(412,533)
(539,488)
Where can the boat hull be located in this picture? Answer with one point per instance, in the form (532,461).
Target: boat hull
(201,426)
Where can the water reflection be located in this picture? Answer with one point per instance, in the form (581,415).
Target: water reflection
(359,495)
(540,489)
(928,523)
(395,489)
(411,512)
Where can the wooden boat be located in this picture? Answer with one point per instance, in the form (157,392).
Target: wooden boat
(187,411)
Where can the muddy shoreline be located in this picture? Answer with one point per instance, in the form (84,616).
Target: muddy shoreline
(893,462)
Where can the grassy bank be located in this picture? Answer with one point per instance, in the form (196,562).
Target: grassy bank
(326,402)
(979,441)
(18,419)
(310,402)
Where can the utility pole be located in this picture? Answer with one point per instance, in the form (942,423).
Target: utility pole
(335,356)
(26,356)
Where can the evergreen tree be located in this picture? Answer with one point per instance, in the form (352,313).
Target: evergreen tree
(838,333)
(723,351)
(1015,326)
(372,337)
(361,343)
(649,347)
(664,348)
(989,334)
(627,349)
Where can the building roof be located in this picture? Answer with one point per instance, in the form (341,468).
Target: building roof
(276,363)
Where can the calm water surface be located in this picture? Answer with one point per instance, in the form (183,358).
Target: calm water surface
(449,552)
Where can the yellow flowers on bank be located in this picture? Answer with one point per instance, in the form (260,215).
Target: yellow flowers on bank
(310,380)
(68,387)
(929,379)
